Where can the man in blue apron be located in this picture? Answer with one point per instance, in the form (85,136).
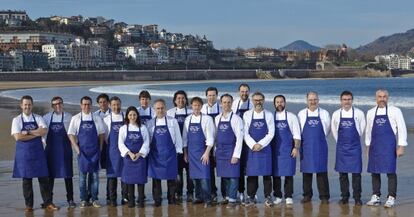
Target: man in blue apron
(180,112)
(240,106)
(348,125)
(30,160)
(259,130)
(198,140)
(229,142)
(114,161)
(166,143)
(146,112)
(104,110)
(58,149)
(315,124)
(385,138)
(212,109)
(285,149)
(87,134)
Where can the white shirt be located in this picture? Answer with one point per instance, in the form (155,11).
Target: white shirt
(179,111)
(270,126)
(56,119)
(116,118)
(207,125)
(76,120)
(292,121)
(215,109)
(146,112)
(359,119)
(237,127)
(324,116)
(173,128)
(243,105)
(17,124)
(102,114)
(133,128)
(396,120)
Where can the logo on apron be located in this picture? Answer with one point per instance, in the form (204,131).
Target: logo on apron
(133,136)
(87,126)
(281,125)
(56,127)
(30,127)
(347,124)
(194,128)
(313,123)
(180,119)
(223,126)
(380,121)
(258,125)
(161,131)
(116,127)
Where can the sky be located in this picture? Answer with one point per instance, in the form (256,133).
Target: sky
(246,23)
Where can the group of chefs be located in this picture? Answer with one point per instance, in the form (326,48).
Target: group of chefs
(225,137)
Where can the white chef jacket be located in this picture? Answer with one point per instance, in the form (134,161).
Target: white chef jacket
(207,125)
(173,128)
(265,141)
(292,121)
(133,128)
(324,116)
(237,127)
(359,119)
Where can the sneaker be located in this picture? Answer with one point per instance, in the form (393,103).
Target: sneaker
(277,200)
(52,207)
(289,201)
(71,204)
(375,201)
(83,204)
(241,198)
(225,201)
(96,204)
(390,202)
(268,201)
(249,201)
(214,198)
(124,201)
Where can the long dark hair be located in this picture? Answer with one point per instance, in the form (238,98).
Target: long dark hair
(132,109)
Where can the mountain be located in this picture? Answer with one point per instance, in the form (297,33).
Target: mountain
(300,45)
(399,43)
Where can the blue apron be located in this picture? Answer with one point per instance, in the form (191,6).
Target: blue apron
(114,161)
(30,159)
(314,148)
(145,118)
(88,139)
(283,163)
(181,119)
(196,148)
(259,163)
(134,172)
(213,115)
(382,157)
(348,147)
(162,159)
(240,112)
(58,150)
(226,143)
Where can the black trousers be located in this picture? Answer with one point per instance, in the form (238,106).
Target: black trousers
(157,189)
(392,184)
(131,192)
(288,186)
(44,191)
(68,186)
(253,185)
(356,185)
(242,178)
(112,187)
(322,183)
(213,176)
(182,165)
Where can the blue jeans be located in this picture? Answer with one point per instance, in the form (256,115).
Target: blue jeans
(94,185)
(231,185)
(202,190)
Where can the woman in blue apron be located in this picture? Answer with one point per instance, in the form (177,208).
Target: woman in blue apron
(314,157)
(162,162)
(114,161)
(349,156)
(59,156)
(134,170)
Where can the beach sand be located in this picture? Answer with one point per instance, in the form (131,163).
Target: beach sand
(12,202)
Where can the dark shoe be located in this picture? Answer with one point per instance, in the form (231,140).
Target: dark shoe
(52,207)
(358,202)
(197,201)
(172,202)
(131,205)
(190,198)
(306,200)
(343,201)
(207,205)
(108,202)
(324,201)
(124,201)
(231,205)
(71,204)
(157,203)
(113,204)
(28,209)
(214,198)
(225,201)
(141,204)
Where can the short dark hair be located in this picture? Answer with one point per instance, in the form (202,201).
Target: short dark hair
(159,100)
(258,94)
(347,93)
(56,98)
(180,92)
(197,99)
(85,98)
(144,94)
(132,109)
(102,95)
(244,85)
(27,97)
(212,89)
(115,98)
(278,96)
(226,95)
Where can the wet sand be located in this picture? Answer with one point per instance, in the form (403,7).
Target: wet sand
(12,202)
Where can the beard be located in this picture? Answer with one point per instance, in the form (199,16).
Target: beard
(259,106)
(280,108)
